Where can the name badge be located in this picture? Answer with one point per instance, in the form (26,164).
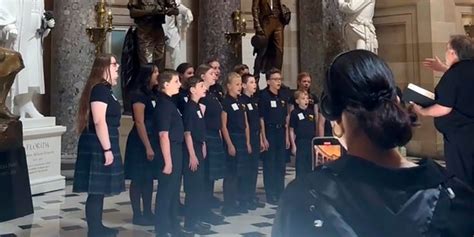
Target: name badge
(300,116)
(199,114)
(153,103)
(235,107)
(186,99)
(249,106)
(273,103)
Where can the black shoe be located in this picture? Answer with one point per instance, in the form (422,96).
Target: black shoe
(102,232)
(109,231)
(98,234)
(272,200)
(243,207)
(198,227)
(258,203)
(275,200)
(167,234)
(149,216)
(230,211)
(212,218)
(204,225)
(215,202)
(143,221)
(252,206)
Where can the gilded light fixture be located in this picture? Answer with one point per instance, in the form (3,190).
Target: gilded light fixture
(235,38)
(98,34)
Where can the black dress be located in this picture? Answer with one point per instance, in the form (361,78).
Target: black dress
(91,175)
(137,166)
(455,90)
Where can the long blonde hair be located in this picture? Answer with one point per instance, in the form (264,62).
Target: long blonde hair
(101,65)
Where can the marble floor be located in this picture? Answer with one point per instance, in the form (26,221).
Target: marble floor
(61,213)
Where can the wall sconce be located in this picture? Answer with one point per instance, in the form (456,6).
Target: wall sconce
(98,34)
(235,38)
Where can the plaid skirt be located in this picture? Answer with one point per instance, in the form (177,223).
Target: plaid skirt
(137,167)
(241,164)
(91,175)
(216,158)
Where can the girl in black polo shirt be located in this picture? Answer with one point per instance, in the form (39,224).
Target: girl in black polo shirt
(235,132)
(215,161)
(99,169)
(169,126)
(142,145)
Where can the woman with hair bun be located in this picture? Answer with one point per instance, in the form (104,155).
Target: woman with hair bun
(372,190)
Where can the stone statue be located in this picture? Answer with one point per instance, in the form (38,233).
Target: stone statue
(175,28)
(24,24)
(149,16)
(270,18)
(359,30)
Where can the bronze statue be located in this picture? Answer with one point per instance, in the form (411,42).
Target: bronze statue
(270,18)
(10,64)
(149,16)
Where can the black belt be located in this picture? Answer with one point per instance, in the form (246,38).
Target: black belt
(273,125)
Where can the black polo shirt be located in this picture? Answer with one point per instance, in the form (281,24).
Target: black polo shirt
(147,99)
(167,118)
(217,90)
(273,108)
(235,110)
(251,107)
(181,99)
(456,90)
(102,92)
(303,122)
(193,119)
(212,114)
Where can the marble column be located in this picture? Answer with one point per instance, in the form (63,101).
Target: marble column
(214,20)
(320,37)
(73,55)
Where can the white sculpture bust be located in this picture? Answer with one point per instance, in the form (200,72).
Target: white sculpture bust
(175,28)
(359,30)
(23,28)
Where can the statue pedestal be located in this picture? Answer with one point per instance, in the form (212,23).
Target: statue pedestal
(15,200)
(42,142)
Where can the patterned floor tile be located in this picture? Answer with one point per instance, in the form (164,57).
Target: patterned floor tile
(271,216)
(25,227)
(68,207)
(73,227)
(71,209)
(253,234)
(47,218)
(262,224)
